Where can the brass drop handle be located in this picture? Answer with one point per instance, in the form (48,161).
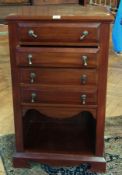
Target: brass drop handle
(33,97)
(32,34)
(84,34)
(83,99)
(83,79)
(30,59)
(85,60)
(32,77)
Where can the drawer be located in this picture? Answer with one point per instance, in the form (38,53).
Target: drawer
(59,33)
(59,94)
(58,76)
(58,57)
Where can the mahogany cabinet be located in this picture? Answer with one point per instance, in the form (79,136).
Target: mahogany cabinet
(59,59)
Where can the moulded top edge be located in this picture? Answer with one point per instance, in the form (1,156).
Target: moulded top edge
(61,12)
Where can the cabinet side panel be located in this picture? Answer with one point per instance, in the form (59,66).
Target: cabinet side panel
(102,86)
(15,86)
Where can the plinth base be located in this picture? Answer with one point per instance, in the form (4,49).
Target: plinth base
(22,160)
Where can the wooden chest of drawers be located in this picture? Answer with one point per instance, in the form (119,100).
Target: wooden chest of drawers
(59,57)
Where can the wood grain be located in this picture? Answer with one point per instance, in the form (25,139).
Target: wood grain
(67,12)
(54,134)
(59,76)
(64,32)
(57,57)
(59,94)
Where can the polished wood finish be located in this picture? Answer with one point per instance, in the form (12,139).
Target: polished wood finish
(59,76)
(67,13)
(56,104)
(59,94)
(22,159)
(57,57)
(58,111)
(64,32)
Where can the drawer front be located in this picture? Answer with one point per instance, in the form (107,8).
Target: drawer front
(58,32)
(59,94)
(58,57)
(59,76)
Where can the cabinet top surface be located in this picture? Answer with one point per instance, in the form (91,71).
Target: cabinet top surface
(61,12)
